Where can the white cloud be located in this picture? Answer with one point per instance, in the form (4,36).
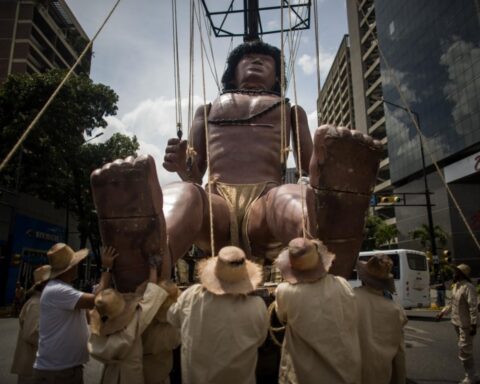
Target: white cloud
(153,123)
(398,79)
(308,64)
(458,86)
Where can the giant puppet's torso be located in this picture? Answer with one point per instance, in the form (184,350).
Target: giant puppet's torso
(245,137)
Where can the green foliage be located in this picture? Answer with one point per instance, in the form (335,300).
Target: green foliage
(378,234)
(53,163)
(422,234)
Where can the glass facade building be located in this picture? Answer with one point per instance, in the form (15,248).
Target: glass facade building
(431,50)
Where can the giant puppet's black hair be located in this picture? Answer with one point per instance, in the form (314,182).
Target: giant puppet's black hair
(256,46)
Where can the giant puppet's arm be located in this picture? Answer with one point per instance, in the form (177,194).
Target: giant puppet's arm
(306,144)
(190,163)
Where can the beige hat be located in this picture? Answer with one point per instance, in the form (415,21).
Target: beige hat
(229,272)
(62,258)
(113,311)
(40,275)
(375,272)
(304,261)
(465,270)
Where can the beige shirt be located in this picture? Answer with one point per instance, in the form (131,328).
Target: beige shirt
(463,305)
(27,340)
(159,340)
(321,339)
(220,335)
(122,351)
(381,323)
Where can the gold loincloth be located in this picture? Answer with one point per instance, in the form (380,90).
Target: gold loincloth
(239,198)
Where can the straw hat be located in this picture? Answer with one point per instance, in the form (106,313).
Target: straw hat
(229,272)
(113,311)
(465,270)
(40,275)
(304,261)
(62,258)
(375,272)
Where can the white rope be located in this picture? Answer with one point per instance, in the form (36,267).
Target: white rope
(54,94)
(317,51)
(203,49)
(208,28)
(299,150)
(176,70)
(207,142)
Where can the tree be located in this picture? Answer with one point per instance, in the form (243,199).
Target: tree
(41,165)
(385,234)
(53,162)
(377,233)
(422,234)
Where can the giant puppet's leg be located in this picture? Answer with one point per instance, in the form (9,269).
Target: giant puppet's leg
(129,204)
(342,176)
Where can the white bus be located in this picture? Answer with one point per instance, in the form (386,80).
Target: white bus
(410,271)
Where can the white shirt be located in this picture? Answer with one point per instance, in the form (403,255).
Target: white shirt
(63,329)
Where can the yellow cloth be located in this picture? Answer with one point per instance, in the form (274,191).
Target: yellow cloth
(27,340)
(321,339)
(159,340)
(122,351)
(239,198)
(381,323)
(463,305)
(220,335)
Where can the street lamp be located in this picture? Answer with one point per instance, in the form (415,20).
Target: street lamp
(427,192)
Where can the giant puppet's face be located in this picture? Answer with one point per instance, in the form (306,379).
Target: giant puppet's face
(255,71)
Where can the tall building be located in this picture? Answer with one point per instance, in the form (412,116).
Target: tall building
(38,35)
(336,95)
(430,52)
(367,90)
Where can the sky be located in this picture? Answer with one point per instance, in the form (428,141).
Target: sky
(134,56)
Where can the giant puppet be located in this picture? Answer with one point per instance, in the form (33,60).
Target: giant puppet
(242,142)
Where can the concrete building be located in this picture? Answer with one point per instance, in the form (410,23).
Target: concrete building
(336,96)
(36,36)
(430,53)
(367,90)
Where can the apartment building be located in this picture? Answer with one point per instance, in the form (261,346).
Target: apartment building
(335,102)
(39,35)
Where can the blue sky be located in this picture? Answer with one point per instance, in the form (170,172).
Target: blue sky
(134,56)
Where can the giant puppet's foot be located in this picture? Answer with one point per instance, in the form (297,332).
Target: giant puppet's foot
(129,202)
(343,171)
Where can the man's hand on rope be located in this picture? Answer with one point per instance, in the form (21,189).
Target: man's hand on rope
(175,159)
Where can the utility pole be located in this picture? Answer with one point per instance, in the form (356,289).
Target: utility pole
(431,230)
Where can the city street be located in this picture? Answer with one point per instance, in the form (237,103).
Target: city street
(431,351)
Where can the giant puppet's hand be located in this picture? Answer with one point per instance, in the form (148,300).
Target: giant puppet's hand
(175,159)
(129,203)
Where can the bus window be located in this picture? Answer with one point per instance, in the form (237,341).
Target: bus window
(417,262)
(396,265)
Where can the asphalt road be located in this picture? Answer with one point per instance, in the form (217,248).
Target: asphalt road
(431,351)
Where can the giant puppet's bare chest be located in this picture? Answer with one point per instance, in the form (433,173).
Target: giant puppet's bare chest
(245,137)
(245,108)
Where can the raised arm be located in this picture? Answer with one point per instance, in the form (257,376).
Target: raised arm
(87,300)
(177,152)
(306,144)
